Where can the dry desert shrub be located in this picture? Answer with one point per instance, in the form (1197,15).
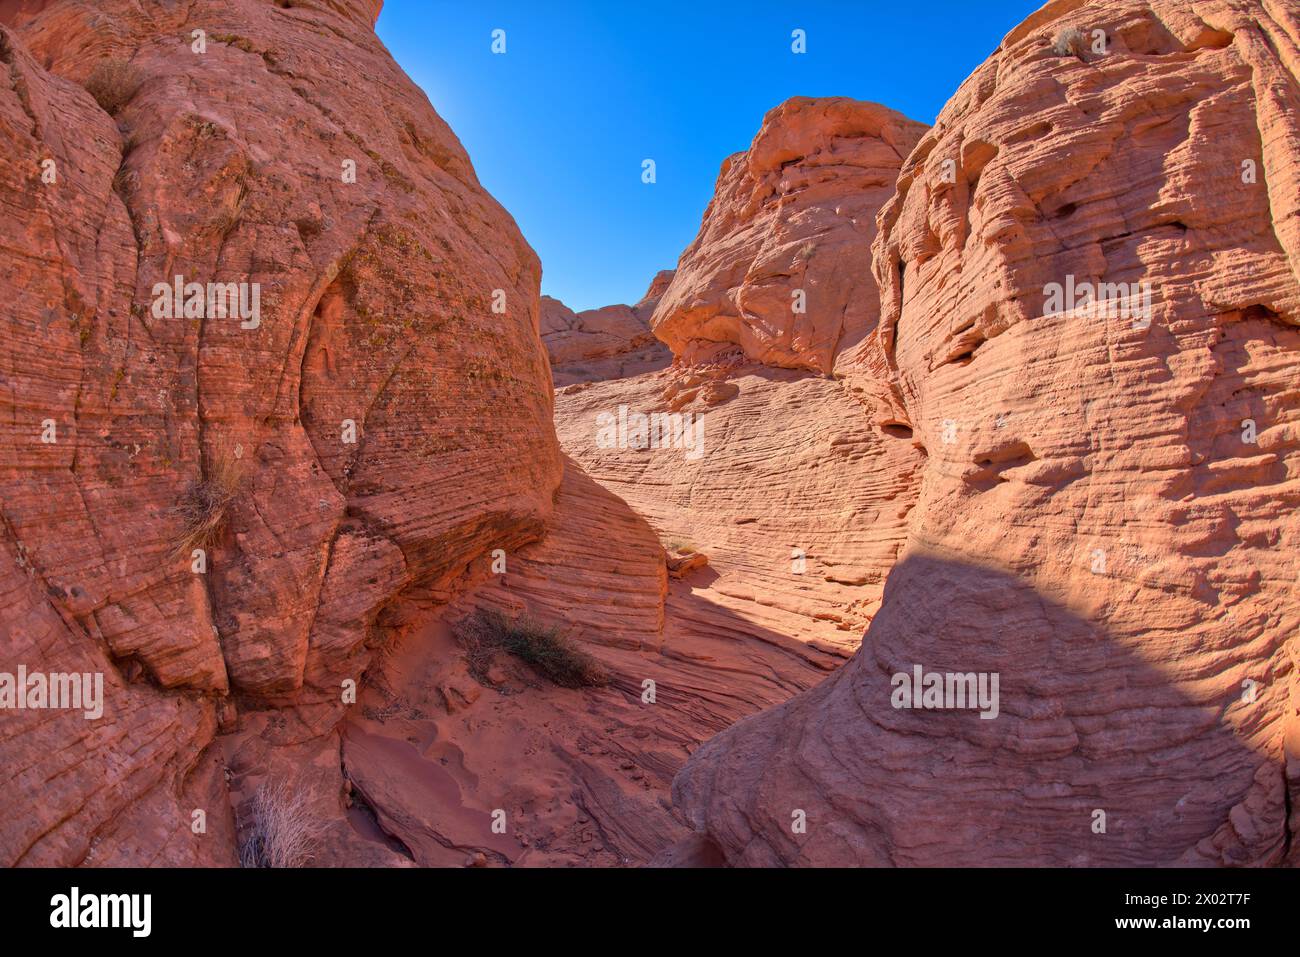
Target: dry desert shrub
(112,83)
(282,831)
(204,507)
(1070,42)
(548,651)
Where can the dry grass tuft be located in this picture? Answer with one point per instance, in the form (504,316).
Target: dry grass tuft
(1070,42)
(206,504)
(281,832)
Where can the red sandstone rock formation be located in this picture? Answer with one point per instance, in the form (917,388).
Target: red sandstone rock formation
(1066,500)
(779,265)
(400,309)
(1106,513)
(378,308)
(607,343)
(799,496)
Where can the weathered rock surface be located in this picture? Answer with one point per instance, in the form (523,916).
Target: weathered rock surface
(607,343)
(797,498)
(581,776)
(1099,511)
(231,165)
(779,267)
(1106,511)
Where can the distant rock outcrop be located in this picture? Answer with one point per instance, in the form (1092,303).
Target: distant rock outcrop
(800,492)
(611,342)
(780,265)
(1106,520)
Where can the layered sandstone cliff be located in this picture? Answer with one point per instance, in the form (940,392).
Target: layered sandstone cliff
(235,519)
(1106,511)
(216,513)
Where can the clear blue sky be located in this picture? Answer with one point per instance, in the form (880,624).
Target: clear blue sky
(558,126)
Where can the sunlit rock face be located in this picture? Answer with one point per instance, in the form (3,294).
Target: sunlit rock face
(1106,516)
(1069,525)
(382,419)
(780,266)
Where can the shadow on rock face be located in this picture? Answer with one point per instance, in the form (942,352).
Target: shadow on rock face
(1096,756)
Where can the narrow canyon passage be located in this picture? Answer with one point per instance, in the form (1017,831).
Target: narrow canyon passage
(584,775)
(455,575)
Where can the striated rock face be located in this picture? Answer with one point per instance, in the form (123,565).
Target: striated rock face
(789,515)
(607,343)
(583,775)
(1088,511)
(1106,514)
(797,500)
(612,592)
(780,266)
(381,420)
